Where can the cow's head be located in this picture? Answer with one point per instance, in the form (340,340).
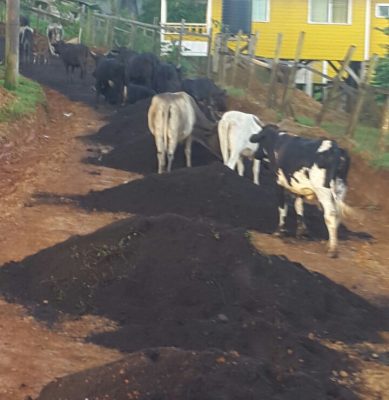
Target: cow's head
(265,139)
(218,100)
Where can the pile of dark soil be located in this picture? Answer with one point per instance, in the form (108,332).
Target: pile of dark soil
(213,192)
(172,374)
(199,286)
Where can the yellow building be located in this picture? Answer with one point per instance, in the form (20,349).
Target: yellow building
(330,26)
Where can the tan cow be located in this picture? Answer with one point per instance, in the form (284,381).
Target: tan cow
(171,118)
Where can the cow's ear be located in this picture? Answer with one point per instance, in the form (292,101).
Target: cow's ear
(256,138)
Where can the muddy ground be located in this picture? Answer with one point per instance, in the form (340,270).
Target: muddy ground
(186,295)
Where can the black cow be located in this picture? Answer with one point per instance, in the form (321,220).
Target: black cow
(167,78)
(141,69)
(24,21)
(109,75)
(311,169)
(73,56)
(204,91)
(138,92)
(26,43)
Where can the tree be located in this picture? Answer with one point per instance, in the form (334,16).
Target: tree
(12,44)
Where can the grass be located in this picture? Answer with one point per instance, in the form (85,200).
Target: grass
(365,137)
(28,95)
(235,91)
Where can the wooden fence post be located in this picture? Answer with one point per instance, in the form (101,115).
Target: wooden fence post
(354,117)
(209,54)
(156,39)
(336,84)
(133,36)
(286,106)
(384,132)
(182,32)
(216,55)
(236,59)
(252,48)
(272,93)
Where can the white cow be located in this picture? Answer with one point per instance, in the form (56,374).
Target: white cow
(171,119)
(235,129)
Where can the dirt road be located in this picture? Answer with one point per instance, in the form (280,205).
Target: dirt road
(70,149)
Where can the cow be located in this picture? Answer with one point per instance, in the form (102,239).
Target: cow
(171,119)
(135,93)
(73,56)
(311,169)
(55,34)
(235,130)
(141,69)
(24,21)
(204,91)
(109,75)
(167,78)
(26,43)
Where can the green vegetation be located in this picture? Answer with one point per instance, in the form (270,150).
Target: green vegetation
(189,10)
(28,95)
(235,91)
(366,139)
(306,121)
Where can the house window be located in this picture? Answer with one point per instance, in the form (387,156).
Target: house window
(260,10)
(382,10)
(329,11)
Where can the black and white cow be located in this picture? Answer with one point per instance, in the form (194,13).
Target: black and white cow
(311,169)
(26,43)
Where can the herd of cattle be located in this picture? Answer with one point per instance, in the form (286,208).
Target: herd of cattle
(313,170)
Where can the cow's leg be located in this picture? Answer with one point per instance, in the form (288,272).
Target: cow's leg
(331,219)
(282,212)
(170,154)
(188,151)
(301,230)
(240,166)
(233,160)
(256,169)
(161,156)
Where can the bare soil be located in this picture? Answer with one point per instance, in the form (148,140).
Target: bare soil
(121,284)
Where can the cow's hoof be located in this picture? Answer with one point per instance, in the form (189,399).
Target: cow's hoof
(332,253)
(302,233)
(280,233)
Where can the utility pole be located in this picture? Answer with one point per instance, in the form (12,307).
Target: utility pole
(12,44)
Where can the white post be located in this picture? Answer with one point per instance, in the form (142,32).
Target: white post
(209,16)
(163,18)
(308,87)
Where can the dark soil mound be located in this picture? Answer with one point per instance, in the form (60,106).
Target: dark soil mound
(173,374)
(172,281)
(179,272)
(213,192)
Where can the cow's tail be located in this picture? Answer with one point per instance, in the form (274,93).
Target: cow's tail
(166,122)
(201,120)
(339,193)
(224,139)
(345,210)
